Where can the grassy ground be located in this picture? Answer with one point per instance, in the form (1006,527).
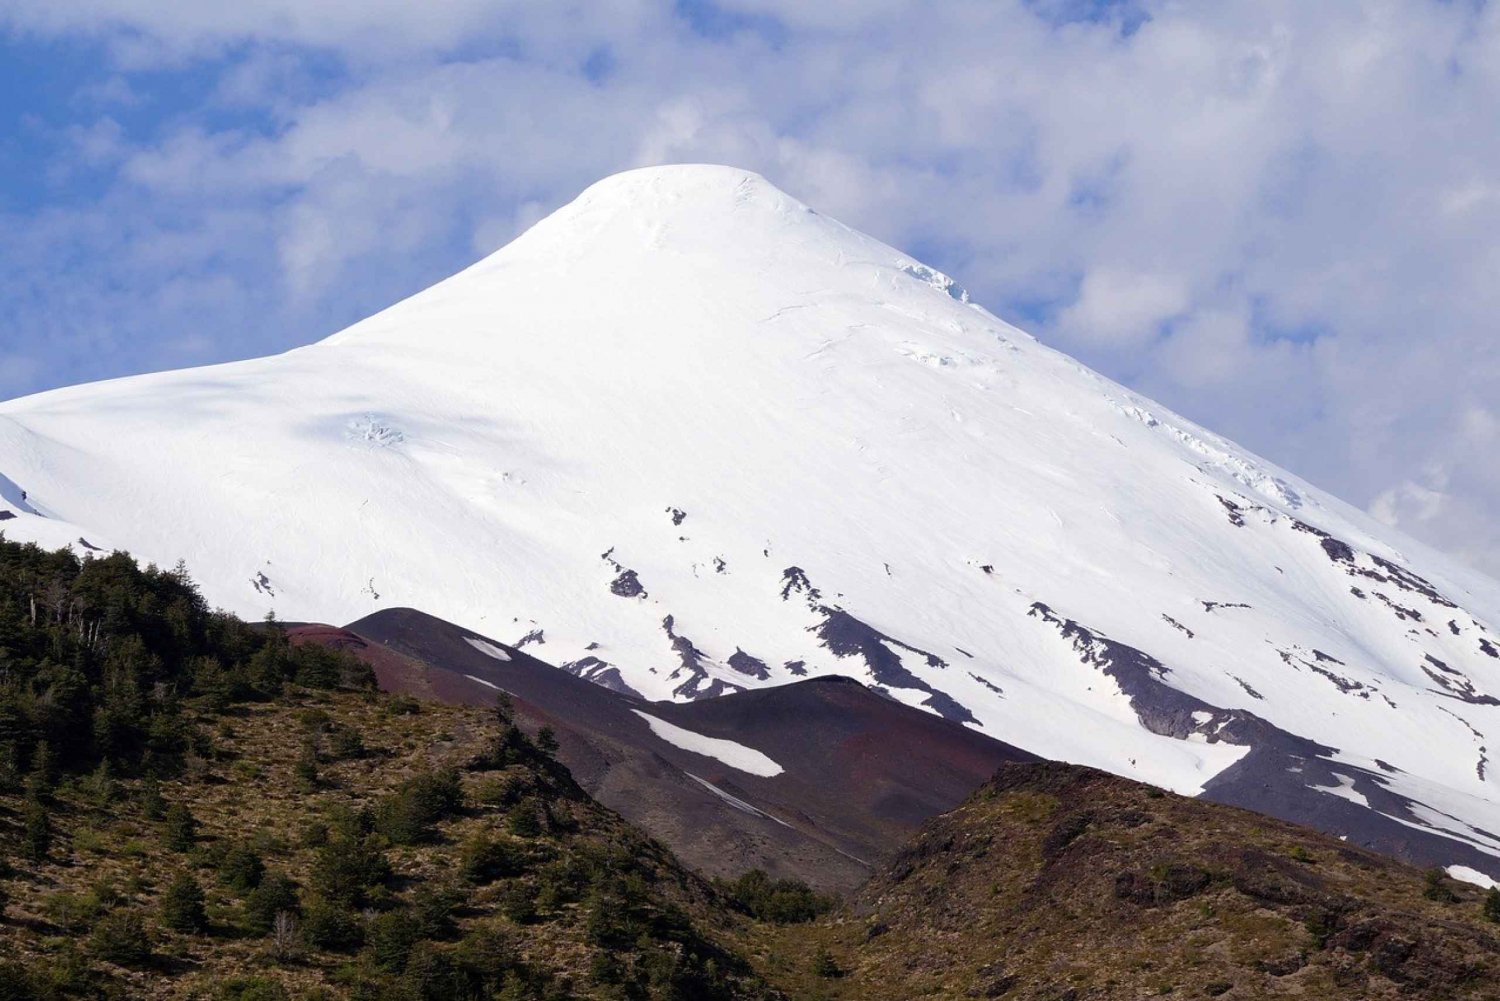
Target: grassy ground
(588,907)
(1064,884)
(460,861)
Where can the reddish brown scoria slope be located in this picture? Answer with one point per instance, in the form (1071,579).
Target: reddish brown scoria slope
(860,772)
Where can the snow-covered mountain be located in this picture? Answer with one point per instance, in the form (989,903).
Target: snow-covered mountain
(687,436)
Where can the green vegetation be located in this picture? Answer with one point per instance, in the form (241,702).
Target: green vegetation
(779,901)
(1114,892)
(824,965)
(196,807)
(182,905)
(275,895)
(100,656)
(1437,887)
(121,937)
(241,868)
(407,816)
(179,828)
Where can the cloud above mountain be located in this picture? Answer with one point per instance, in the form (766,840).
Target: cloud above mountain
(1275,217)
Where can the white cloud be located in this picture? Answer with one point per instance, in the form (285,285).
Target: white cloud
(1276,216)
(1123,308)
(1409,502)
(164,27)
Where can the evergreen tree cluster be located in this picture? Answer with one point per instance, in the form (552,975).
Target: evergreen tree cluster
(97,655)
(779,901)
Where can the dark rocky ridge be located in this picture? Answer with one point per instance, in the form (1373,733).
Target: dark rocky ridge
(1282,775)
(861,771)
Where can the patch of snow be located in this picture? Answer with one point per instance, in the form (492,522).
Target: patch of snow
(735,755)
(1464,874)
(487,648)
(1345,790)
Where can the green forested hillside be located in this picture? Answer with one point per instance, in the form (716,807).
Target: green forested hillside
(194,807)
(98,657)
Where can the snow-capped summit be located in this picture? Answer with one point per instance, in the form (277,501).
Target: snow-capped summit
(687,436)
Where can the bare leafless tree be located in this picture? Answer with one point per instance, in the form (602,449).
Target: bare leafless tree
(284,940)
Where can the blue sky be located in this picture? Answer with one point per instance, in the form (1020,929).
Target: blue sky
(1275,217)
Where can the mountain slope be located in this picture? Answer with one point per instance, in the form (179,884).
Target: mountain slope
(578,905)
(820,779)
(1054,881)
(686,437)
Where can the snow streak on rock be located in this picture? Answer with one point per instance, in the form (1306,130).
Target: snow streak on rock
(731,753)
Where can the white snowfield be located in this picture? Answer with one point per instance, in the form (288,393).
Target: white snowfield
(730,752)
(1467,875)
(696,432)
(487,648)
